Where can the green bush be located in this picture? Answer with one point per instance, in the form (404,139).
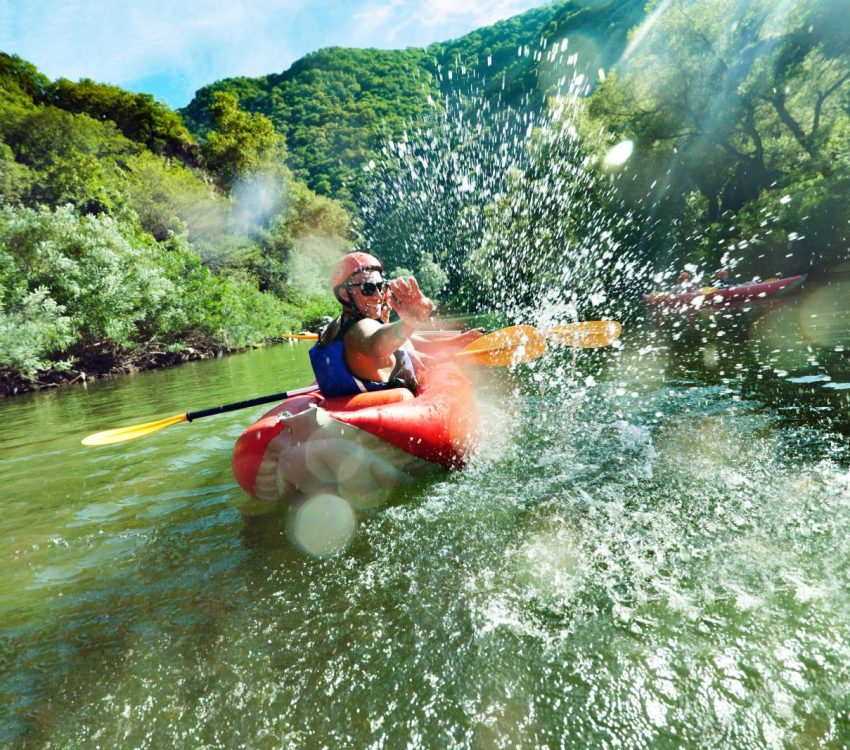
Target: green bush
(75,286)
(30,332)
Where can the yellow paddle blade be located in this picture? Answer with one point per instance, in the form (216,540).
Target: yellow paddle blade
(123,434)
(508,346)
(590,334)
(300,336)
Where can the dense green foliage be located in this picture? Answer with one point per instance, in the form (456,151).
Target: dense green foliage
(720,139)
(138,116)
(334,108)
(737,114)
(337,107)
(740,116)
(484,165)
(240,144)
(79,288)
(117,250)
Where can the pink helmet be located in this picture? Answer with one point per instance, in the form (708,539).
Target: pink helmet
(350,264)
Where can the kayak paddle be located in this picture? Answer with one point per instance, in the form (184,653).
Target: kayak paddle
(133,431)
(505,347)
(500,348)
(590,334)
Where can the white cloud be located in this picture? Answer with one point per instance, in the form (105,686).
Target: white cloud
(420,22)
(374,16)
(469,12)
(179,47)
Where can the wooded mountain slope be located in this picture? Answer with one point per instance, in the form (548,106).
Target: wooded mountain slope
(336,106)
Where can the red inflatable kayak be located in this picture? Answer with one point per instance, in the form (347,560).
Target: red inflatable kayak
(725,295)
(358,447)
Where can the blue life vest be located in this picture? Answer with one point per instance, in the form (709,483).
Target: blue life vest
(335,379)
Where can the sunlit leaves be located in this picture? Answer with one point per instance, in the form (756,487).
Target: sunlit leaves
(88,288)
(240,143)
(727,100)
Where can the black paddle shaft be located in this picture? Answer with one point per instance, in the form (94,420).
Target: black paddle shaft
(238,405)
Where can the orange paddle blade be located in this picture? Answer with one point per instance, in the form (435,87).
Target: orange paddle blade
(590,334)
(122,434)
(508,346)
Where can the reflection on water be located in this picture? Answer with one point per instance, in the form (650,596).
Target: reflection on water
(650,551)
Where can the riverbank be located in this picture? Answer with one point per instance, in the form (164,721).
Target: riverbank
(106,361)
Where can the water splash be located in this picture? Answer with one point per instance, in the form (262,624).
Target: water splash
(509,201)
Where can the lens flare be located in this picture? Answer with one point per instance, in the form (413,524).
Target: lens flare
(822,316)
(618,155)
(323,526)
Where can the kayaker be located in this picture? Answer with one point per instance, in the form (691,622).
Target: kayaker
(722,278)
(361,350)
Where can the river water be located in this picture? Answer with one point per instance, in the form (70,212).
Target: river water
(650,550)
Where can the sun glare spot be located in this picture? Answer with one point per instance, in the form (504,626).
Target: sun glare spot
(324,525)
(618,155)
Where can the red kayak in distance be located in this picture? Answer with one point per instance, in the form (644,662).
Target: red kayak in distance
(358,447)
(726,296)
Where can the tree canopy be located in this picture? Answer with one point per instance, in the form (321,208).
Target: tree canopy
(731,105)
(123,243)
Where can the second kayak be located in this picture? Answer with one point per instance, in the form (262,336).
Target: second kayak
(725,296)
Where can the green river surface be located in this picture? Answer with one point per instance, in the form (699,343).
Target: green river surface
(651,549)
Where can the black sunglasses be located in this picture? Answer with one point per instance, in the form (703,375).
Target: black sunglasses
(368,288)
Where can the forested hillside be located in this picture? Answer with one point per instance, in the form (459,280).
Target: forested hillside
(125,244)
(575,154)
(337,107)
(735,116)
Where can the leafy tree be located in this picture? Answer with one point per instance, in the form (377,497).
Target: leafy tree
(725,101)
(21,80)
(32,330)
(89,290)
(431,276)
(240,143)
(165,196)
(15,178)
(71,158)
(138,116)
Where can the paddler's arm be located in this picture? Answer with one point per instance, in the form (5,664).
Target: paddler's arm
(379,340)
(441,344)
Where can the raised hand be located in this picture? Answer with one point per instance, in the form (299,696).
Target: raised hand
(407,299)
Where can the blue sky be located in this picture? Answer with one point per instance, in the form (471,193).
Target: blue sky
(170,49)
